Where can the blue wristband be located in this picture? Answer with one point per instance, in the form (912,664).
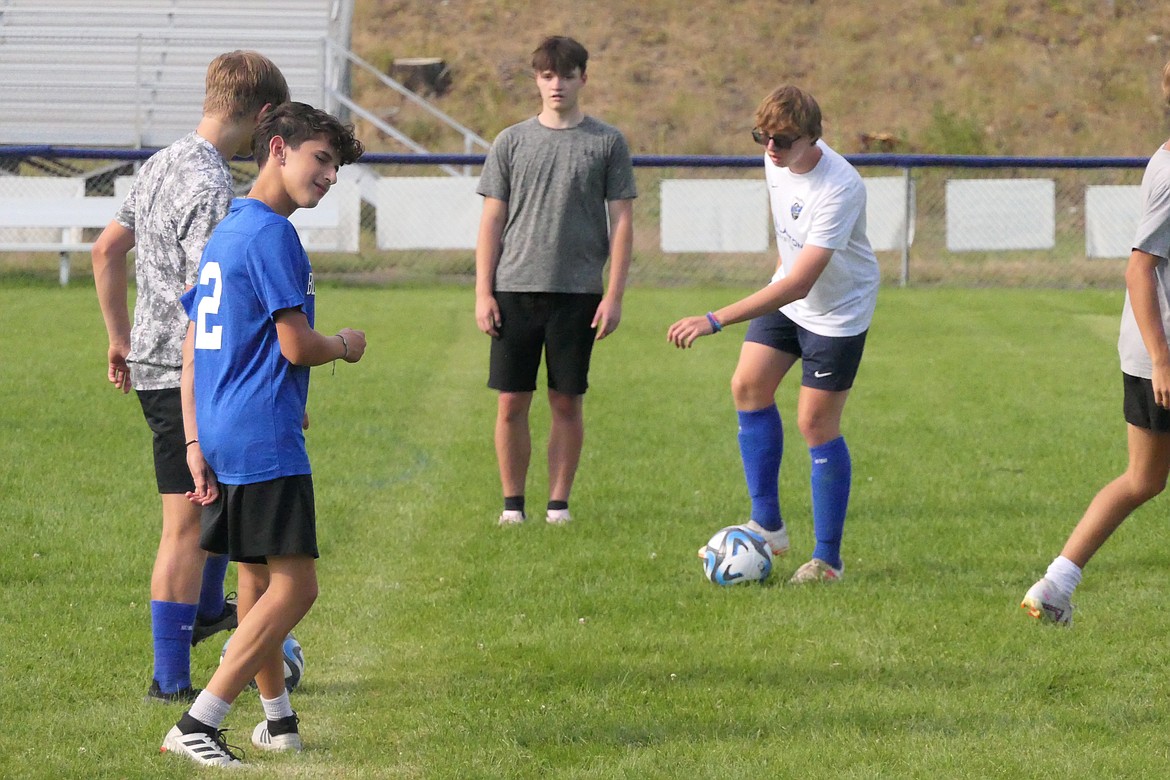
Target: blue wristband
(715,326)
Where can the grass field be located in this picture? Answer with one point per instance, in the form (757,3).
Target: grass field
(444,647)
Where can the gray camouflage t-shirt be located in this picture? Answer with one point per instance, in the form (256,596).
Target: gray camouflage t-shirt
(178,197)
(556,184)
(1153,237)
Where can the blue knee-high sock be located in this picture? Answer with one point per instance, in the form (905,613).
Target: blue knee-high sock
(171,625)
(832,475)
(211,593)
(761,445)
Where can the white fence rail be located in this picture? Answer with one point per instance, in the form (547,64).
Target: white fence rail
(697,220)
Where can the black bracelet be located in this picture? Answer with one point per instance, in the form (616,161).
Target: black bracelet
(193,441)
(345,344)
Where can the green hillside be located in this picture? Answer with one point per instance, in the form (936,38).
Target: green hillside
(1026,77)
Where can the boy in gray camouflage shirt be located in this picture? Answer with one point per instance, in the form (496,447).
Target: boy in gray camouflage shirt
(178,197)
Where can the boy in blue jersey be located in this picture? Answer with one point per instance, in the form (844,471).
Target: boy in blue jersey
(177,198)
(245,384)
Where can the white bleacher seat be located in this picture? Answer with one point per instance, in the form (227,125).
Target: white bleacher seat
(42,190)
(428,212)
(130,72)
(1000,214)
(122,185)
(714,215)
(334,225)
(885,212)
(1112,213)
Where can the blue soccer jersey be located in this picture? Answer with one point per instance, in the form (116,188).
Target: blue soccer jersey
(249,399)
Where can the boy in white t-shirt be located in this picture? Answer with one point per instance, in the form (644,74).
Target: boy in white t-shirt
(1145,368)
(817,309)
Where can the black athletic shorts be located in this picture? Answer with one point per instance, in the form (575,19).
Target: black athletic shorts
(249,523)
(560,324)
(829,362)
(1139,406)
(163,410)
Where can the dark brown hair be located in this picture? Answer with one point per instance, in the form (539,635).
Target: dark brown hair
(559,55)
(297,123)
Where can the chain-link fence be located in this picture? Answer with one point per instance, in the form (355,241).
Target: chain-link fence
(950,221)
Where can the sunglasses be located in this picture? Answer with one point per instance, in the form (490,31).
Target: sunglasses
(778,141)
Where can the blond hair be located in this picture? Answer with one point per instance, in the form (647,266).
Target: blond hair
(240,83)
(789,109)
(1166,82)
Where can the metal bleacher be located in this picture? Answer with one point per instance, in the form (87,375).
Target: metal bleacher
(130,73)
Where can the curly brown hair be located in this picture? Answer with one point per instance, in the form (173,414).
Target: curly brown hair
(297,123)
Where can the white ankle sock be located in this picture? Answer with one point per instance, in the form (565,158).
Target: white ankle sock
(1064,575)
(209,709)
(275,709)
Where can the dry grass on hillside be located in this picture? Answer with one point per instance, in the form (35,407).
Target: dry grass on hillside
(1030,77)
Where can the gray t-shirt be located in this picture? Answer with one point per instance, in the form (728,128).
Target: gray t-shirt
(1153,237)
(179,196)
(556,184)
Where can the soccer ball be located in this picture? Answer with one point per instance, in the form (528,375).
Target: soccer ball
(294,662)
(736,555)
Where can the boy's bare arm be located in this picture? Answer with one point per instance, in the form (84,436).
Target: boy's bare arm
(303,346)
(206,485)
(488,246)
(109,275)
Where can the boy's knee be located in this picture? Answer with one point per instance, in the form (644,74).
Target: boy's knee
(513,407)
(1146,488)
(310,592)
(749,392)
(565,406)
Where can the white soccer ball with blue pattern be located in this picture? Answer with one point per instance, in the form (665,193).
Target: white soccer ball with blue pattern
(736,555)
(294,662)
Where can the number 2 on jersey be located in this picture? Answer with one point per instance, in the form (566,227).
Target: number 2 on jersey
(209,336)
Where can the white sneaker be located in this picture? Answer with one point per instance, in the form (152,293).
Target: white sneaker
(200,747)
(816,570)
(1045,603)
(558,517)
(512,517)
(285,738)
(777,540)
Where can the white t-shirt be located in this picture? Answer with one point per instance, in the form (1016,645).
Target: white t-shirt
(1153,237)
(826,208)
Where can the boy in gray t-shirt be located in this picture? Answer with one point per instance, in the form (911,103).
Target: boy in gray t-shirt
(558,202)
(1145,366)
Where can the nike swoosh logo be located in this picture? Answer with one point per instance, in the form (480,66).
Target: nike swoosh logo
(822,374)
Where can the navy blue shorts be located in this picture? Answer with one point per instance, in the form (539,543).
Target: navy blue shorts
(829,362)
(558,324)
(163,410)
(249,523)
(1140,409)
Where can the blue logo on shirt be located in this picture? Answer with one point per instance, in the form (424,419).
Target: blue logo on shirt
(797,207)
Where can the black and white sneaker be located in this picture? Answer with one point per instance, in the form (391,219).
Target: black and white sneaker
(181,696)
(208,748)
(279,734)
(227,620)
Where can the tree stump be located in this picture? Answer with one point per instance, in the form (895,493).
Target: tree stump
(424,76)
